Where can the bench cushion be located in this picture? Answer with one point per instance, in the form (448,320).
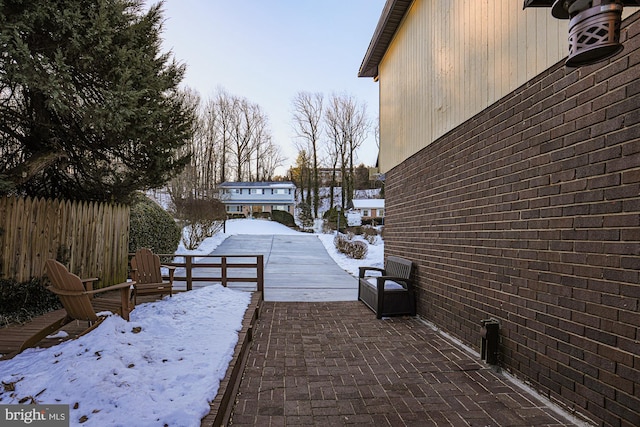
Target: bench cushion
(388,284)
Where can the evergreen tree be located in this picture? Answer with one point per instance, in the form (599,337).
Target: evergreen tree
(89,105)
(305,215)
(361,177)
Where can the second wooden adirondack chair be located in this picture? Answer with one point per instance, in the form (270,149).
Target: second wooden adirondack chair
(146,273)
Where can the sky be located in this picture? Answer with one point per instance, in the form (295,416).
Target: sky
(169,369)
(268,51)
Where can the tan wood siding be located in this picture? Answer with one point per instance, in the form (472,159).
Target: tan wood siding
(452,59)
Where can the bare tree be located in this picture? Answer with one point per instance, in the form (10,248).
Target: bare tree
(237,141)
(307,117)
(347,125)
(355,127)
(248,132)
(270,158)
(336,146)
(262,149)
(224,106)
(212,152)
(184,184)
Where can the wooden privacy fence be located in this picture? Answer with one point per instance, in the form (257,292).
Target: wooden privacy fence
(90,238)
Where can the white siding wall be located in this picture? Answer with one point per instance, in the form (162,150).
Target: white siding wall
(453,58)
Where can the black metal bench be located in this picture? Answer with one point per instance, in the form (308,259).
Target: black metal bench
(390,293)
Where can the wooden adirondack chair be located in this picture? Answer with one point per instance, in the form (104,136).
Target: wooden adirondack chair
(146,273)
(77,299)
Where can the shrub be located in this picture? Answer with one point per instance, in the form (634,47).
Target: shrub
(331,218)
(152,227)
(370,234)
(373,221)
(283,217)
(355,249)
(262,215)
(353,230)
(369,231)
(200,219)
(23,301)
(195,233)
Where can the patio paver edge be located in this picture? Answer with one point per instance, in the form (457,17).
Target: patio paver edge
(222,404)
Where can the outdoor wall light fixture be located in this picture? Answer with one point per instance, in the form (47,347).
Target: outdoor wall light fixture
(594,27)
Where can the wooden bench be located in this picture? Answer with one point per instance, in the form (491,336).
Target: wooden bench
(391,292)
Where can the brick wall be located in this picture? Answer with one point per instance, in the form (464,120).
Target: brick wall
(530,213)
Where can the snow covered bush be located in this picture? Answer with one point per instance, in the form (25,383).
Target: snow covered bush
(200,219)
(355,249)
(370,234)
(194,233)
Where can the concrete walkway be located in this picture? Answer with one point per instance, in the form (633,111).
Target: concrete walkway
(297,267)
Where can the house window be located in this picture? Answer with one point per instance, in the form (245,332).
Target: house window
(365,212)
(279,208)
(234,208)
(281,191)
(257,191)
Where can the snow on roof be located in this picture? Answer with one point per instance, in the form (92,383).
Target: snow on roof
(368,203)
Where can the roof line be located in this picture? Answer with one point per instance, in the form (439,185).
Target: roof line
(549,3)
(256,183)
(390,19)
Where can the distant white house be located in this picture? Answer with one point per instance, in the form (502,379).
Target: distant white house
(249,198)
(369,208)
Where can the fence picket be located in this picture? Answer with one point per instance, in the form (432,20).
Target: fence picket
(90,238)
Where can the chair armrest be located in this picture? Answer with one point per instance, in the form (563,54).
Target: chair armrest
(112,287)
(67,292)
(362,270)
(172,271)
(88,283)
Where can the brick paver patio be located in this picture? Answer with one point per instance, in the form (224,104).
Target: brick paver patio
(333,364)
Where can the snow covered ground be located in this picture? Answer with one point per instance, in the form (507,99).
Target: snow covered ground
(161,368)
